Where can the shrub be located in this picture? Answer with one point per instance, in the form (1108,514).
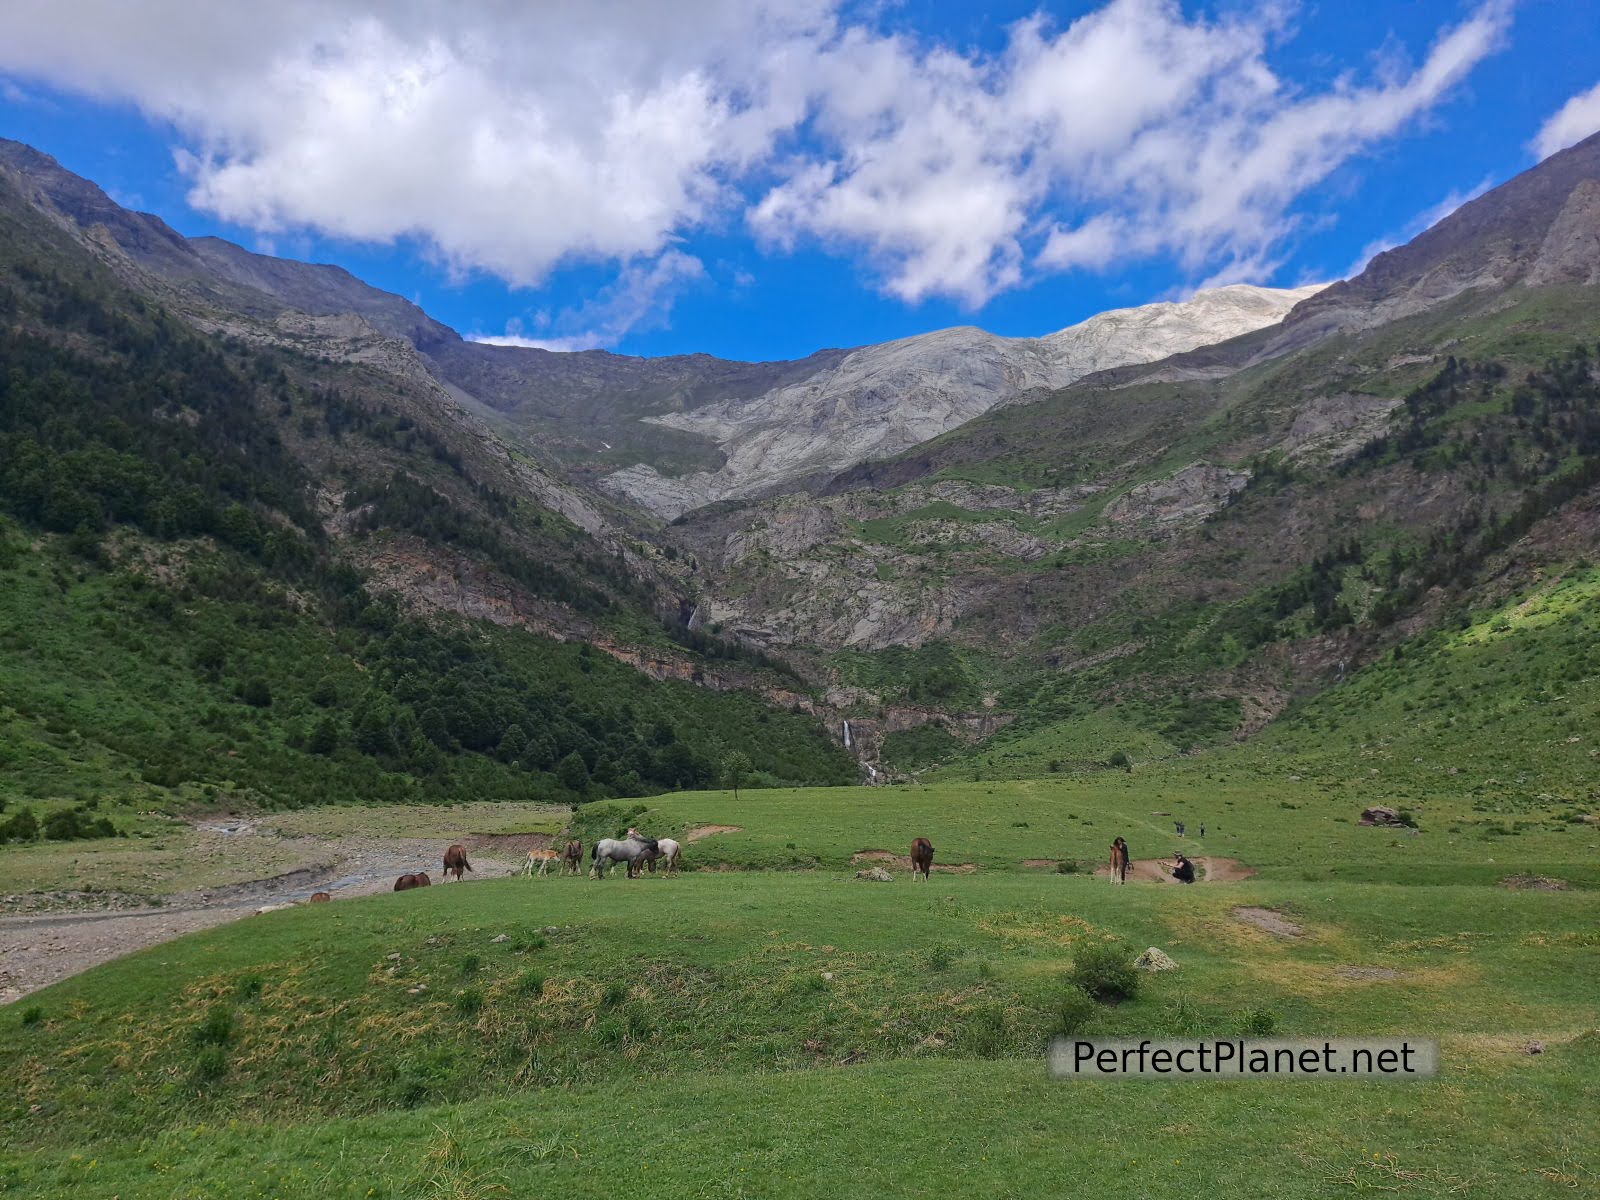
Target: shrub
(470,963)
(32,1015)
(216,1029)
(469,1003)
(1074,1010)
(256,693)
(615,993)
(1105,971)
(530,983)
(1067,866)
(22,827)
(211,1063)
(984,1033)
(1258,1022)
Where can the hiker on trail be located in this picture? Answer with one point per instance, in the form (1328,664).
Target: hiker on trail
(1184,871)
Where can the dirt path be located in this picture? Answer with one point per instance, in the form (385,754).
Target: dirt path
(1159,870)
(41,948)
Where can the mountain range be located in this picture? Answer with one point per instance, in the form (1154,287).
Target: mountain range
(1164,527)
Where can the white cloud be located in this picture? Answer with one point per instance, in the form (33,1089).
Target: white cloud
(639,300)
(1163,135)
(513,138)
(1571,123)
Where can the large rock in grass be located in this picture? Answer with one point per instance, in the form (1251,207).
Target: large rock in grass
(875,875)
(1380,814)
(1155,959)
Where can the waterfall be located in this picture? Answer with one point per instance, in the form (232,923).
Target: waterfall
(847,735)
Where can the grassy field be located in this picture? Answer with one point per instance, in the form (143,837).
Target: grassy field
(796,1032)
(1286,826)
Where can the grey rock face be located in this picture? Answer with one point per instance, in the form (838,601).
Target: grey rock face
(883,399)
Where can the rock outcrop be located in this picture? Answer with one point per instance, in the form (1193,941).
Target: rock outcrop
(883,399)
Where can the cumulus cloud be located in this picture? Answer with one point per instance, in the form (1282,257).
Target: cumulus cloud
(1571,123)
(513,138)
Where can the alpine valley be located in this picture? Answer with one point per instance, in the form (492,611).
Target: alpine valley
(272,533)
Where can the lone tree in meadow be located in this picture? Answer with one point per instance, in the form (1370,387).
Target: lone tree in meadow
(736,769)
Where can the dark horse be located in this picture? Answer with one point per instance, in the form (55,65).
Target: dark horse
(406,882)
(455,859)
(921,859)
(572,857)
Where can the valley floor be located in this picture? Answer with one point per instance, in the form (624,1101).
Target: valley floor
(93,902)
(759,1031)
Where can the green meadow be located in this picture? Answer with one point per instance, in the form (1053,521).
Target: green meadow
(783,1029)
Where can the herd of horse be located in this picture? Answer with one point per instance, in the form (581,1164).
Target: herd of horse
(636,851)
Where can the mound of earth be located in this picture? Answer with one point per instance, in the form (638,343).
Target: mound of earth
(1268,921)
(1533,883)
(875,875)
(705,831)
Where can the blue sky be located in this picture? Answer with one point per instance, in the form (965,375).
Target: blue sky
(762,178)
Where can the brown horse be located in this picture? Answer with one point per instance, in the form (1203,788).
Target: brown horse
(319,898)
(406,882)
(539,861)
(455,859)
(572,858)
(1119,861)
(921,859)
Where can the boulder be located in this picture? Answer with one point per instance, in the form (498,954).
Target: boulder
(1155,959)
(875,875)
(1380,814)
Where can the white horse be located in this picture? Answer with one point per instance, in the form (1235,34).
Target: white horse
(540,858)
(610,850)
(667,850)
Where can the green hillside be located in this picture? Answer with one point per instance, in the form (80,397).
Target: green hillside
(397,1046)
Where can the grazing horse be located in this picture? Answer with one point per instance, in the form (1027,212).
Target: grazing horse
(455,859)
(613,850)
(921,859)
(541,859)
(1119,861)
(572,857)
(319,898)
(406,882)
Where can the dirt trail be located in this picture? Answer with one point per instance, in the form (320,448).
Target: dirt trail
(1159,870)
(41,948)
(902,862)
(705,831)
